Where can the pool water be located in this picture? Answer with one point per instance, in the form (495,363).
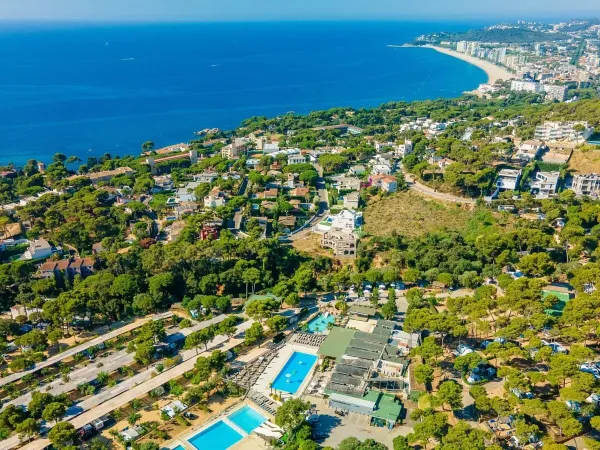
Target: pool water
(319,323)
(293,374)
(247,418)
(179,447)
(218,436)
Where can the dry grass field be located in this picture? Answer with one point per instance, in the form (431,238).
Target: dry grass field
(585,162)
(410,214)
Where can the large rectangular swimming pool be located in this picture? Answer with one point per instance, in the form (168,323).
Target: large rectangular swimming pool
(319,323)
(247,418)
(293,374)
(219,436)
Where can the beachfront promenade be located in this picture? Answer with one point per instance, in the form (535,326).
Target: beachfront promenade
(80,348)
(132,388)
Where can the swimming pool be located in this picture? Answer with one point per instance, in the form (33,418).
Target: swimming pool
(219,436)
(319,323)
(247,418)
(292,375)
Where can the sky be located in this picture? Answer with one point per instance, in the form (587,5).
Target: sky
(254,10)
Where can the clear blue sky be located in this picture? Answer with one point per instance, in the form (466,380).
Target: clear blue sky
(208,10)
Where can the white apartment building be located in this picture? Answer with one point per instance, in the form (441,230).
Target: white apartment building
(586,184)
(345,183)
(563,131)
(554,92)
(525,86)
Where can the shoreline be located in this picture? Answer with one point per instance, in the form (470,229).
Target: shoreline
(493,72)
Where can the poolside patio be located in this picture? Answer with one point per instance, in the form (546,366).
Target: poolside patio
(276,365)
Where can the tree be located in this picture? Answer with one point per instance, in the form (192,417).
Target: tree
(27,429)
(424,374)
(55,335)
(62,434)
(277,324)
(149,446)
(144,353)
(401,443)
(291,414)
(203,368)
(432,426)
(254,334)
(411,276)
(54,412)
(148,146)
(429,350)
(389,310)
(450,393)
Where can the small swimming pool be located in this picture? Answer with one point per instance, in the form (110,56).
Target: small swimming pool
(292,375)
(219,436)
(247,418)
(319,323)
(179,447)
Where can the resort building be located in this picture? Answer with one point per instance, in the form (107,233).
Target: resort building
(366,365)
(586,184)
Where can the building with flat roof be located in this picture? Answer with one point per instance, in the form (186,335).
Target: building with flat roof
(564,131)
(545,184)
(508,179)
(586,184)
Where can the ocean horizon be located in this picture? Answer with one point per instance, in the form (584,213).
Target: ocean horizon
(89,89)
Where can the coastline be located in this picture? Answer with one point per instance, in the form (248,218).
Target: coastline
(494,72)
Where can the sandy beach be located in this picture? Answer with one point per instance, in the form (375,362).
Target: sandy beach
(493,71)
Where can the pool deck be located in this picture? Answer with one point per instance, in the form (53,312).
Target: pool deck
(273,369)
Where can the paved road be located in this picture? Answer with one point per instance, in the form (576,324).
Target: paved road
(80,348)
(323,208)
(109,364)
(135,387)
(425,190)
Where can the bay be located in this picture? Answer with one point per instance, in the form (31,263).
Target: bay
(90,89)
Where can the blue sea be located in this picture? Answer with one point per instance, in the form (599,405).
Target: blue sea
(95,89)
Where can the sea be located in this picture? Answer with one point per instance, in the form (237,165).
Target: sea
(90,89)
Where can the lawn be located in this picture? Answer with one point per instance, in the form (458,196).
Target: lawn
(410,214)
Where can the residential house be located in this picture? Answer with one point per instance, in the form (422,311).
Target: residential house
(342,243)
(215,199)
(345,183)
(186,193)
(209,231)
(268,193)
(545,184)
(300,192)
(185,208)
(163,183)
(105,175)
(347,220)
(529,150)
(68,267)
(296,159)
(38,249)
(208,176)
(287,222)
(508,179)
(403,150)
(352,200)
(381,169)
(386,183)
(357,169)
